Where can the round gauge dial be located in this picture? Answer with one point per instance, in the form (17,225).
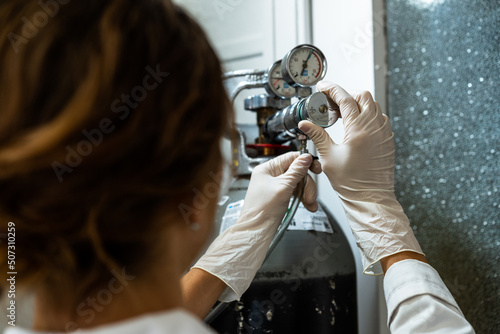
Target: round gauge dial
(304,66)
(276,84)
(317,110)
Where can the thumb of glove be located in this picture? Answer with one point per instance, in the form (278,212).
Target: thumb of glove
(318,135)
(298,169)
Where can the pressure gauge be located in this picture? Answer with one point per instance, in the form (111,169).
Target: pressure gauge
(275,83)
(304,66)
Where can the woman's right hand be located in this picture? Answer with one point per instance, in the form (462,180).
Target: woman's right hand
(362,166)
(361,170)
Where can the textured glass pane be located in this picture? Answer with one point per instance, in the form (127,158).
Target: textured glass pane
(444,102)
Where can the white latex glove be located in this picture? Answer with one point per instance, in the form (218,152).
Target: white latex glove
(361,170)
(237,254)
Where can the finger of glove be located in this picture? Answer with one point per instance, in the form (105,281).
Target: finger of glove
(380,115)
(348,106)
(365,101)
(316,167)
(310,195)
(280,164)
(319,136)
(355,94)
(370,110)
(297,170)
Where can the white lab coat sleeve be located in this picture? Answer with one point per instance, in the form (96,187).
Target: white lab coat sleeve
(419,302)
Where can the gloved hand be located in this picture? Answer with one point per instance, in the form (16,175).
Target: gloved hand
(361,170)
(237,254)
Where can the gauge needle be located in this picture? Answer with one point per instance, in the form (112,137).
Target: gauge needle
(304,65)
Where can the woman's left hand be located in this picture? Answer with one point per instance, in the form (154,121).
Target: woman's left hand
(237,254)
(273,183)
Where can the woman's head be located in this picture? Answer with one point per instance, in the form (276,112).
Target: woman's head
(112,112)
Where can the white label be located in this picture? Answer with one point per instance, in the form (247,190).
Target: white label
(231,215)
(304,220)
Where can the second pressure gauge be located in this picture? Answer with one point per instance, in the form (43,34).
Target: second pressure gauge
(304,66)
(275,83)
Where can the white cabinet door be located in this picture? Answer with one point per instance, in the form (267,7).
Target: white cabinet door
(242,32)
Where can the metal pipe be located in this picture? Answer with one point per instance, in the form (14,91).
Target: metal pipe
(242,73)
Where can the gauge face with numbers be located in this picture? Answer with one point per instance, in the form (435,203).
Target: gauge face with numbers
(304,66)
(276,84)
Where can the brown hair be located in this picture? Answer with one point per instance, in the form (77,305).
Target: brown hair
(111,110)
